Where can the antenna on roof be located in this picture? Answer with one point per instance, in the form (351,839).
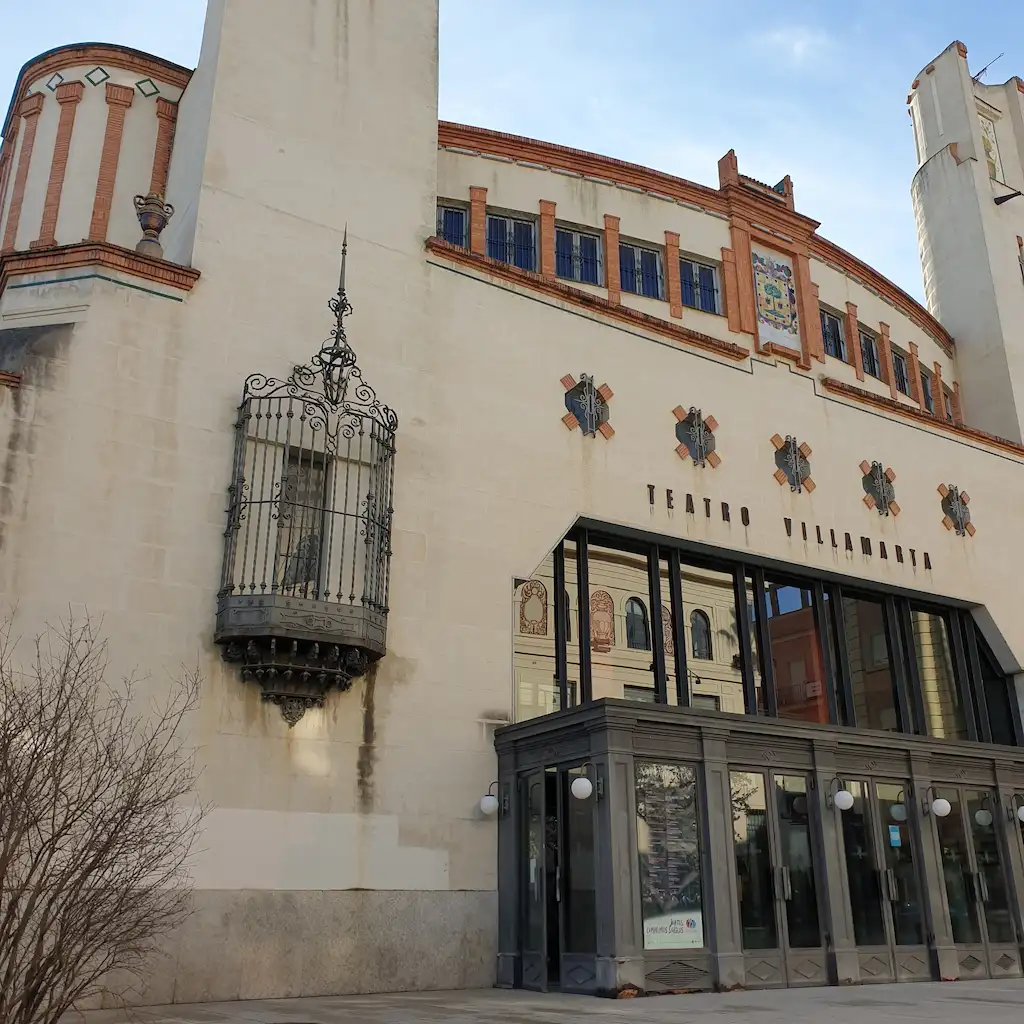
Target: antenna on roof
(974,78)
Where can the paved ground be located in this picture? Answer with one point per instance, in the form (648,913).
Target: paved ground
(992,1002)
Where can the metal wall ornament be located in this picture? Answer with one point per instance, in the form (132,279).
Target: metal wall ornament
(792,461)
(153,214)
(956,515)
(879,492)
(695,433)
(587,406)
(303,604)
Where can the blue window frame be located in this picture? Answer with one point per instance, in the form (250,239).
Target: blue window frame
(700,285)
(869,355)
(452,225)
(832,334)
(512,241)
(640,271)
(577,256)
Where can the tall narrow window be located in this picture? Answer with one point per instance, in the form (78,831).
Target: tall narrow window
(700,635)
(947,403)
(638,632)
(700,285)
(902,375)
(512,241)
(870,661)
(940,696)
(300,526)
(577,256)
(869,355)
(452,224)
(832,332)
(927,394)
(640,270)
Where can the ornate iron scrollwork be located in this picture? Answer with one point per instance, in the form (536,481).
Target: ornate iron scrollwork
(956,514)
(792,461)
(302,607)
(696,435)
(879,492)
(587,406)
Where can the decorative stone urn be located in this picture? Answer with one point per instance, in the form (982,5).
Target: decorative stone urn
(153,214)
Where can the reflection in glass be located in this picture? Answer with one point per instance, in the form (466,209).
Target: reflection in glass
(944,715)
(898,845)
(797,861)
(668,633)
(620,645)
(580,889)
(535,863)
(981,813)
(700,633)
(997,699)
(752,852)
(956,871)
(796,653)
(668,840)
(755,653)
(536,690)
(710,592)
(871,678)
(863,879)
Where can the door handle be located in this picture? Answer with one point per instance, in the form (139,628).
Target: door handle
(983,885)
(890,881)
(787,884)
(558,884)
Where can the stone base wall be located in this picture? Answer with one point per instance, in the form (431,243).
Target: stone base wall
(248,944)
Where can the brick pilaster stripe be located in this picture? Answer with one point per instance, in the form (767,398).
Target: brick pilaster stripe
(478,220)
(613,281)
(672,274)
(853,341)
(167,119)
(30,109)
(69,95)
(547,239)
(119,99)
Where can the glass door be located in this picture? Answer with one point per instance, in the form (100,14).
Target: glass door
(535,888)
(977,891)
(775,852)
(882,874)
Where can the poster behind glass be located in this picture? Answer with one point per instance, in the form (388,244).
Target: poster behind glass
(668,840)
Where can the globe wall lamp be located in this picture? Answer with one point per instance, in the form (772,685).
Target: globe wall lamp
(837,795)
(1015,808)
(984,816)
(939,806)
(582,788)
(489,803)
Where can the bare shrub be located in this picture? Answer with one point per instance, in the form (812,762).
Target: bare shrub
(97,822)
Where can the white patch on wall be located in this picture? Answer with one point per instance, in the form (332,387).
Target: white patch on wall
(988,140)
(775,291)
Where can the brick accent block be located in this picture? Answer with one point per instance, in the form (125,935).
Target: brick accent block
(547,239)
(958,409)
(570,421)
(672,278)
(30,109)
(938,393)
(69,95)
(606,393)
(731,286)
(853,341)
(613,278)
(606,431)
(916,391)
(167,120)
(119,99)
(478,220)
(888,373)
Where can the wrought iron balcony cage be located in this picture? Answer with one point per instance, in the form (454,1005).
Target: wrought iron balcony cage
(303,601)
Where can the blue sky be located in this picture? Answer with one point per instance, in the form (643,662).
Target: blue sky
(812,89)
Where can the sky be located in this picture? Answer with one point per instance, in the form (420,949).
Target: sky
(812,88)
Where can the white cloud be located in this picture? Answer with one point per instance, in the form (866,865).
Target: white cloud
(799,44)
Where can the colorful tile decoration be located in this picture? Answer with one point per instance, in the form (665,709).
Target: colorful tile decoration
(774,285)
(988,140)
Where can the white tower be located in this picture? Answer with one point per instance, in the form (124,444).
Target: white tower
(970,225)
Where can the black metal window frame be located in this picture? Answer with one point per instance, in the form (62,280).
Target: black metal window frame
(646,283)
(947,403)
(696,293)
(518,243)
(571,263)
(447,216)
(833,334)
(749,573)
(927,391)
(901,373)
(871,360)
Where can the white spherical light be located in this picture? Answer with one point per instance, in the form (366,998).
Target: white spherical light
(983,817)
(1020,813)
(582,787)
(941,807)
(898,812)
(489,804)
(844,800)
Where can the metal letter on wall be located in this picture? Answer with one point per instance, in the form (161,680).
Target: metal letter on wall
(303,603)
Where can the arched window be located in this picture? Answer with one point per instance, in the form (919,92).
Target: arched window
(700,635)
(638,633)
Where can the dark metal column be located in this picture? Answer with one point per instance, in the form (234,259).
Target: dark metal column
(657,628)
(739,586)
(561,612)
(675,586)
(583,601)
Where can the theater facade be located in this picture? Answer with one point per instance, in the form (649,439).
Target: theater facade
(624,597)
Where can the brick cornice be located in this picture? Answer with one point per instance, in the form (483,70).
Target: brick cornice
(70,92)
(98,254)
(739,197)
(587,300)
(31,105)
(120,95)
(838,387)
(166,108)
(10,380)
(122,57)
